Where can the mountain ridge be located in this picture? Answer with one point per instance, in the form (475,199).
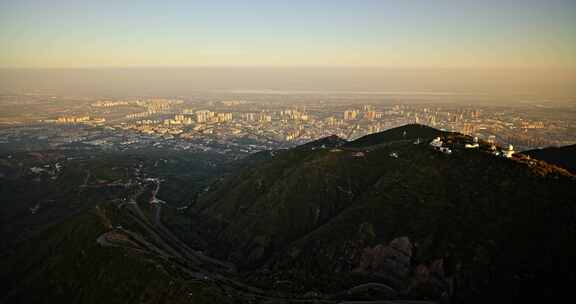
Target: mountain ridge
(564,157)
(406,132)
(276,213)
(391,217)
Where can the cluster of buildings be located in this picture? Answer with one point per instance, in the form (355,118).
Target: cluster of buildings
(439,145)
(294,114)
(110,103)
(285,123)
(206,116)
(298,124)
(76,120)
(367,113)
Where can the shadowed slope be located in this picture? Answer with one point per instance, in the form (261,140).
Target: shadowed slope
(486,218)
(564,157)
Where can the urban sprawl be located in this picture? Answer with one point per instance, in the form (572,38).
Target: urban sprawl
(241,126)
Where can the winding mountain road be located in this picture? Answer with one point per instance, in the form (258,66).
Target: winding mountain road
(166,246)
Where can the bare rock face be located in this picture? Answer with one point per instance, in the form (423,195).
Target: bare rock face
(392,260)
(428,280)
(393,263)
(403,245)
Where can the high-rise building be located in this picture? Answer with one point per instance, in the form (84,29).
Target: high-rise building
(350,114)
(204,116)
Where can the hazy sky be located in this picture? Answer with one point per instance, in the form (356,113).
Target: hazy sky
(403,33)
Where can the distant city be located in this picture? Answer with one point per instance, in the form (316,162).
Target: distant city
(251,123)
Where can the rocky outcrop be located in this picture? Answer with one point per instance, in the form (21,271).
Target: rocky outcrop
(428,280)
(394,264)
(393,260)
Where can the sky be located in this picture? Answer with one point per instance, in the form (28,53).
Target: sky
(268,33)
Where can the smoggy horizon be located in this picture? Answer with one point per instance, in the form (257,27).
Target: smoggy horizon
(510,51)
(449,84)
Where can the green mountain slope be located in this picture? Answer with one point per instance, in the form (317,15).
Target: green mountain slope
(384,218)
(471,224)
(67,239)
(66,264)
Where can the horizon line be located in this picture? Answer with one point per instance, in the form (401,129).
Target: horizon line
(94,67)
